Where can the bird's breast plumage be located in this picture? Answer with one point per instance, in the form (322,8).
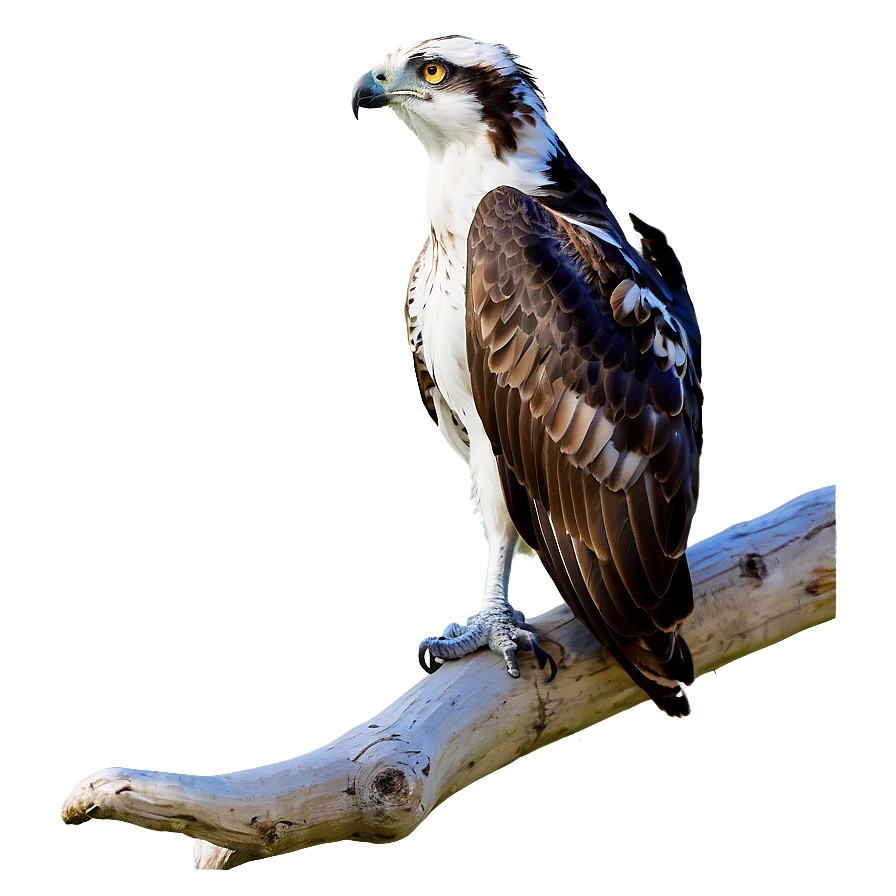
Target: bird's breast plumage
(458,180)
(443,327)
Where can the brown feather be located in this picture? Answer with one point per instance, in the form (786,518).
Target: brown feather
(622,548)
(578,428)
(523,367)
(658,566)
(600,431)
(636,620)
(599,609)
(585,421)
(559,416)
(505,332)
(488,316)
(505,358)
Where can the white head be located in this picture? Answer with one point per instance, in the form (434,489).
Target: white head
(458,91)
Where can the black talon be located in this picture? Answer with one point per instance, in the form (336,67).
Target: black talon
(544,657)
(432,666)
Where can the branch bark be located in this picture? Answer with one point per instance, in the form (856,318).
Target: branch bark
(755,584)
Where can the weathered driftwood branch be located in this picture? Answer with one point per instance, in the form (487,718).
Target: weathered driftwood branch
(755,583)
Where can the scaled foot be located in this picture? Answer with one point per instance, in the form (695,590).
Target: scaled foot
(503,629)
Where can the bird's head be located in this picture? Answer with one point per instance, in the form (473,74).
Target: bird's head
(455,90)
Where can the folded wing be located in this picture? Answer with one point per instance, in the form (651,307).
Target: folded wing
(585,369)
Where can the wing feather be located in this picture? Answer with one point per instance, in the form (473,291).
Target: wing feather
(585,372)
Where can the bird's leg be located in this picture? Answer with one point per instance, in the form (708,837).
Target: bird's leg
(498,624)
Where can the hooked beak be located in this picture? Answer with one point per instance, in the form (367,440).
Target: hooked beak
(369,94)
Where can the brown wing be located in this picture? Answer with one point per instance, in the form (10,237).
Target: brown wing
(583,372)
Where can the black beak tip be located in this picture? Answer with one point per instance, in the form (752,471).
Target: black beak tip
(368,94)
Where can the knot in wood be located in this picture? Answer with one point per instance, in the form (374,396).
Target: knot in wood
(752,566)
(271,831)
(390,785)
(390,790)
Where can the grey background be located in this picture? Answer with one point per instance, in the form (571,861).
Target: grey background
(226,525)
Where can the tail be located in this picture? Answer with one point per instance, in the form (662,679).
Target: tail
(661,679)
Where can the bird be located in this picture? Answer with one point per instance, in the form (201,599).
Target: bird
(562,364)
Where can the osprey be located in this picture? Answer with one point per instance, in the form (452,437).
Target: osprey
(559,362)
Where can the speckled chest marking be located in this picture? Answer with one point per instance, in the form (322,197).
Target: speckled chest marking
(444,324)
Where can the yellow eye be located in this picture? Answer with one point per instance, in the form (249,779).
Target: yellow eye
(434,72)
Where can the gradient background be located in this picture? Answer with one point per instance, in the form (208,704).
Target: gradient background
(217,473)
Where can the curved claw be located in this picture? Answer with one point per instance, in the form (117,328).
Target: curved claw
(433,665)
(544,657)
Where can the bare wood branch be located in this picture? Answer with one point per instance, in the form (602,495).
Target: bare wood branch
(755,584)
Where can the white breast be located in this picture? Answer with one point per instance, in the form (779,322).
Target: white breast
(443,321)
(458,179)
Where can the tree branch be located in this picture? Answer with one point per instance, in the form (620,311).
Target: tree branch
(754,584)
